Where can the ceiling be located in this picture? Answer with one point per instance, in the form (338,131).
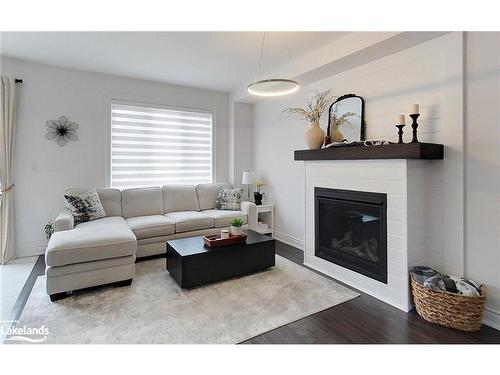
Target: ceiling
(213,60)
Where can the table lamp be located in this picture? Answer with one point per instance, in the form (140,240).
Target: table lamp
(248,179)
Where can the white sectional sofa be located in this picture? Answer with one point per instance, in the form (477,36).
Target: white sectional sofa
(138,223)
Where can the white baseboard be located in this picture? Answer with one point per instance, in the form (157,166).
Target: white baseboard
(289,240)
(28,251)
(491,318)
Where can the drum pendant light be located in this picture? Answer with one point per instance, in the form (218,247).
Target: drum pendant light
(272,86)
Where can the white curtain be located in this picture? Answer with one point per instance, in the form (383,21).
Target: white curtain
(9,101)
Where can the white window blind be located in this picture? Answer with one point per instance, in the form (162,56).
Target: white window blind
(156,146)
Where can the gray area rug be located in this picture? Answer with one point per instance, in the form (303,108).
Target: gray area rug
(155,310)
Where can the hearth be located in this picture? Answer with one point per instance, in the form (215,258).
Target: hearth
(351,230)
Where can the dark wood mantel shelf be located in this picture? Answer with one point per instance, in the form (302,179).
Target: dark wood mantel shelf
(424,151)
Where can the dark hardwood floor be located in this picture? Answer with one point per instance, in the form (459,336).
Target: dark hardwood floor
(363,320)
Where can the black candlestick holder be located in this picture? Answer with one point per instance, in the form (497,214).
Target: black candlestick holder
(400,132)
(414,126)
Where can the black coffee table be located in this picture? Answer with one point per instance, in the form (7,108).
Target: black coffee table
(191,263)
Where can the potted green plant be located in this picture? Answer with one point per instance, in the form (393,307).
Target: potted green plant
(236,227)
(257,195)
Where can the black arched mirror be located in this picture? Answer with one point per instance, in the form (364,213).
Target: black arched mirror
(346,122)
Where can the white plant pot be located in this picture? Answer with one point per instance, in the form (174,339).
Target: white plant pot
(236,231)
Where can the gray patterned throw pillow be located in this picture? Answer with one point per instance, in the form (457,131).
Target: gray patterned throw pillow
(85,207)
(229,199)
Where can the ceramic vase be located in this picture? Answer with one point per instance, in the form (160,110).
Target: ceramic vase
(336,135)
(315,136)
(258,198)
(236,231)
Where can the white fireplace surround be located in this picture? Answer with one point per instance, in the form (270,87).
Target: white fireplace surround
(413,220)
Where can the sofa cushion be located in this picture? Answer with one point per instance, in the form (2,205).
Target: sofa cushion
(151,226)
(179,198)
(207,194)
(85,207)
(222,218)
(229,199)
(111,199)
(142,202)
(71,269)
(105,238)
(190,220)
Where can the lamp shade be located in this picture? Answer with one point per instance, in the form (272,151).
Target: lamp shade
(248,178)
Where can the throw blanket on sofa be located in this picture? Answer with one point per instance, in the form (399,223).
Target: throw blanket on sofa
(432,279)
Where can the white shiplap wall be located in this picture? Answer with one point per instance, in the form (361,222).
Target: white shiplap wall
(430,74)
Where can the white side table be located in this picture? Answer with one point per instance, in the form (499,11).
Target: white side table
(265,214)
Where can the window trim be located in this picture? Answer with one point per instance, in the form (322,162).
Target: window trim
(211,111)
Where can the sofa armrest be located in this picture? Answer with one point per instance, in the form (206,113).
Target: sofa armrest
(64,221)
(251,210)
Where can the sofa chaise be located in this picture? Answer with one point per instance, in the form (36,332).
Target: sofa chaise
(138,223)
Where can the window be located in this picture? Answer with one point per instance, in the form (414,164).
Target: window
(157,146)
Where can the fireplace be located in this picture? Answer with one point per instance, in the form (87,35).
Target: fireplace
(351,230)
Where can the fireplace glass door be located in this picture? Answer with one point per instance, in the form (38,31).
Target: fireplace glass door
(350,230)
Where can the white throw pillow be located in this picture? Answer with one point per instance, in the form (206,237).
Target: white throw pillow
(229,199)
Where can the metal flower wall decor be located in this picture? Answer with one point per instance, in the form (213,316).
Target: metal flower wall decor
(61,131)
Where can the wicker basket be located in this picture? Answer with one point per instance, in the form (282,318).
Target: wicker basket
(449,309)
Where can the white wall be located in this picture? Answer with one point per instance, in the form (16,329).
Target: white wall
(243,140)
(482,163)
(275,139)
(240,142)
(43,170)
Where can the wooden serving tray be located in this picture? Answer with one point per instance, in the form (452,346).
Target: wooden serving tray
(215,240)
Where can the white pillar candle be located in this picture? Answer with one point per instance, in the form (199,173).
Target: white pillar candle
(401,120)
(415,109)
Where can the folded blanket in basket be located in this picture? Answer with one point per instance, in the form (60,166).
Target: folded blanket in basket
(434,280)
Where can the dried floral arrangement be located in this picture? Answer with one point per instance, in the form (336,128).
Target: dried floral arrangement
(316,105)
(259,185)
(339,120)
